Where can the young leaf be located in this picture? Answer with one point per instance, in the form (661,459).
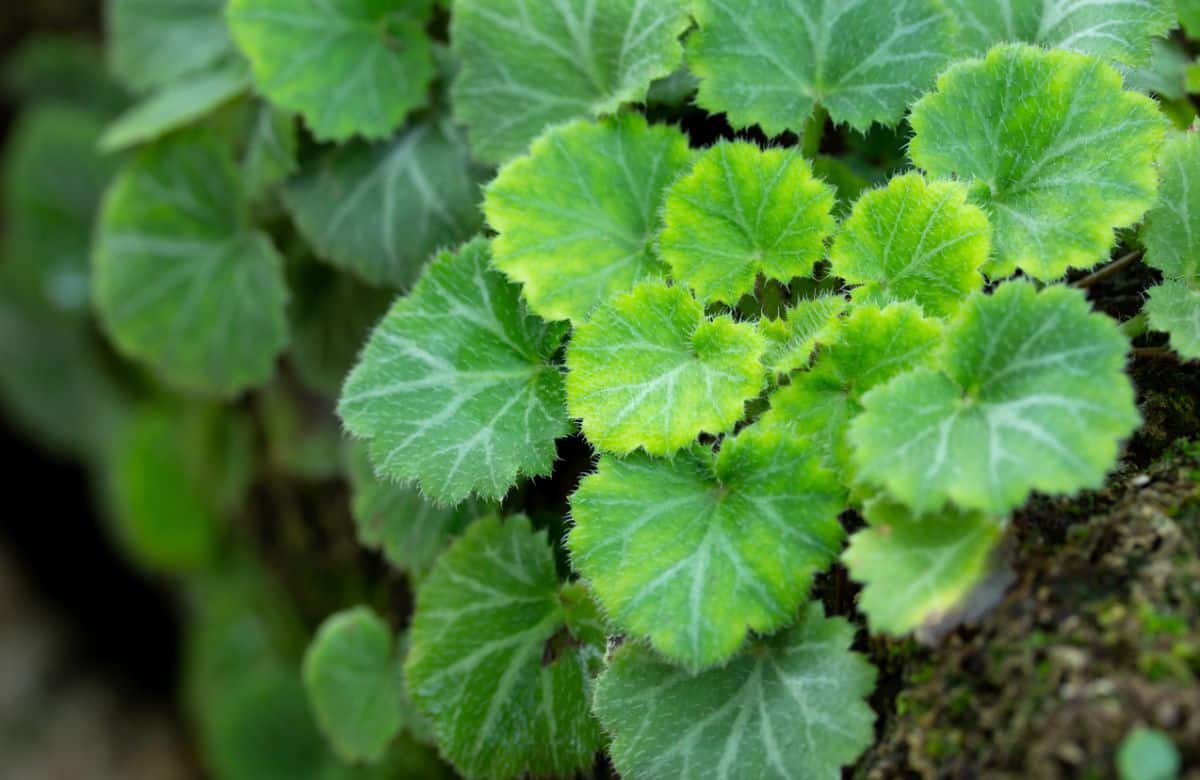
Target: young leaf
(768,62)
(397,521)
(379,211)
(271,150)
(650,370)
(742,211)
(915,569)
(349,68)
(1031,395)
(1119,30)
(1060,155)
(914,241)
(497,662)
(181,281)
(697,551)
(577,216)
(535,64)
(792,706)
(154,42)
(866,349)
(792,339)
(456,389)
(349,673)
(176,105)
(1172,239)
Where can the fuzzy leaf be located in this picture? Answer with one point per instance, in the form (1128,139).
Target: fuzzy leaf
(538,64)
(1119,30)
(1172,239)
(577,216)
(397,521)
(1031,395)
(176,105)
(380,211)
(349,68)
(742,211)
(154,42)
(271,150)
(455,389)
(181,281)
(792,339)
(349,673)
(792,706)
(768,62)
(914,241)
(1060,155)
(866,349)
(650,370)
(697,551)
(916,569)
(497,661)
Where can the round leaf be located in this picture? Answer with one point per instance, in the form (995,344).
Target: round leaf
(1059,154)
(743,211)
(1031,395)
(577,216)
(1172,239)
(792,339)
(696,551)
(650,370)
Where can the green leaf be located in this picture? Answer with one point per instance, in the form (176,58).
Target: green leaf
(744,211)
(577,217)
(914,241)
(271,150)
(349,68)
(791,706)
(497,662)
(1119,30)
(349,673)
(528,65)
(1189,16)
(864,350)
(1172,240)
(456,389)
(175,475)
(176,105)
(1031,395)
(792,339)
(181,280)
(379,211)
(60,68)
(48,216)
(1147,754)
(697,551)
(650,370)
(917,569)
(768,62)
(155,42)
(1059,154)
(394,519)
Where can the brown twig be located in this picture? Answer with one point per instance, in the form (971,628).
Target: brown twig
(1108,270)
(1155,353)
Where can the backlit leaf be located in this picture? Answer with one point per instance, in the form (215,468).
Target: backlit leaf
(577,216)
(650,370)
(792,706)
(456,389)
(1172,239)
(696,551)
(380,211)
(1058,153)
(1030,395)
(182,282)
(349,68)
(913,241)
(915,569)
(529,64)
(768,62)
(498,660)
(742,211)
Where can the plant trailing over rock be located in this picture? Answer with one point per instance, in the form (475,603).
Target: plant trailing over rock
(762,336)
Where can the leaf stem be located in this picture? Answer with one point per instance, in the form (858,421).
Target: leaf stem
(1159,353)
(1108,270)
(814,128)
